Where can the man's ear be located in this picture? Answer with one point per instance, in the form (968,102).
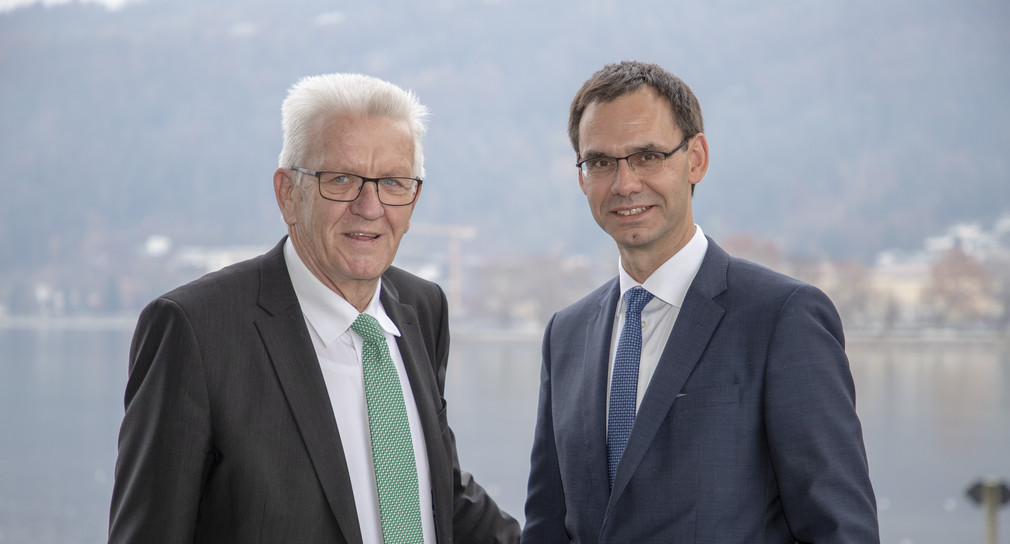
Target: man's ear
(287,195)
(697,153)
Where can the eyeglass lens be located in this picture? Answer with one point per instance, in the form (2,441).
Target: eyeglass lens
(347,187)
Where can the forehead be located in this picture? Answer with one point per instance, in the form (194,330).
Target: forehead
(354,141)
(637,119)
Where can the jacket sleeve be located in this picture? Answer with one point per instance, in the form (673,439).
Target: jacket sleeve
(164,441)
(813,431)
(545,498)
(476,517)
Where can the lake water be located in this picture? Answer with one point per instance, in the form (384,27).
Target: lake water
(933,413)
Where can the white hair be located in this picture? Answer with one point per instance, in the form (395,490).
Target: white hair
(338,94)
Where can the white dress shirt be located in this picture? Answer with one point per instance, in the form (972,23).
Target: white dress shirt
(668,284)
(339,349)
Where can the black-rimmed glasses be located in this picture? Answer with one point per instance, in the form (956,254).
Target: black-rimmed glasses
(643,162)
(345,187)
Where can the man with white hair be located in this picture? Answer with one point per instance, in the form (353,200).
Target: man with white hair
(298,396)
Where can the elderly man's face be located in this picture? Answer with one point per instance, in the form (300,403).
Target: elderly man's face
(348,245)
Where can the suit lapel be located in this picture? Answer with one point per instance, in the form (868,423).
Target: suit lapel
(423,385)
(289,347)
(698,318)
(599,332)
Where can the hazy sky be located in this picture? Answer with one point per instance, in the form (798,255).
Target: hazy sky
(8,5)
(836,128)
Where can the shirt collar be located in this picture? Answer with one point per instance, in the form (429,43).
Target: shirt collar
(672,279)
(328,313)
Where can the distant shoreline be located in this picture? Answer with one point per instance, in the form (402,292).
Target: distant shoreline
(463,334)
(83,323)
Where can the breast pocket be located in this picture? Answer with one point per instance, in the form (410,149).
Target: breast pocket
(707,397)
(704,426)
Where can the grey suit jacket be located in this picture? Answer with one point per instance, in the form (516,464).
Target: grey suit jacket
(746,434)
(229,433)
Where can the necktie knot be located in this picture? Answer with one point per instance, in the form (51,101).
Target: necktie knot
(368,329)
(636,298)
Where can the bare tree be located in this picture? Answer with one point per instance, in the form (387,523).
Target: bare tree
(960,291)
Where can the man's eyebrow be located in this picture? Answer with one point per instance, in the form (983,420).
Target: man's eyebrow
(592,155)
(651,146)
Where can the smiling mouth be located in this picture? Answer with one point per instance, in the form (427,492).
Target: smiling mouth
(362,235)
(632,211)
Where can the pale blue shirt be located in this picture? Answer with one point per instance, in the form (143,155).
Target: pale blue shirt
(668,284)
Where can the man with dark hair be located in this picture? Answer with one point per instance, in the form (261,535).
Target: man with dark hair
(696,397)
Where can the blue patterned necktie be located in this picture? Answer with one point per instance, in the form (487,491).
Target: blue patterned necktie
(392,448)
(624,382)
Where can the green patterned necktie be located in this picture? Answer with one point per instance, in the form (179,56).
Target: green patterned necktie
(392,448)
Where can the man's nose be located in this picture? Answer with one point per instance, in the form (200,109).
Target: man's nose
(626,181)
(367,204)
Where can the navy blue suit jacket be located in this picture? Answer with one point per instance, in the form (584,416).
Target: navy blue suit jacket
(746,434)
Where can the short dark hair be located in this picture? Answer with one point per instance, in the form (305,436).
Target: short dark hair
(616,80)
